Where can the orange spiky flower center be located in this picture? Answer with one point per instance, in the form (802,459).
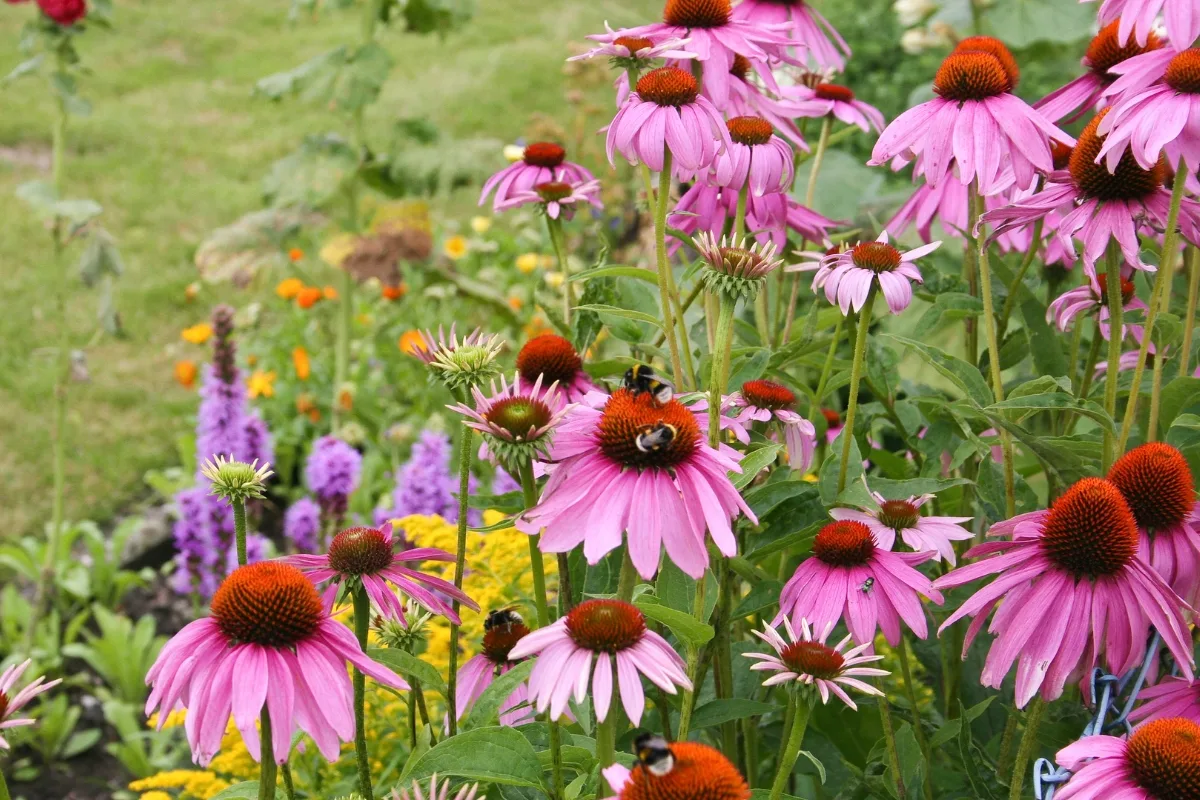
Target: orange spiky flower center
(832,418)
(519,415)
(360,551)
(552,357)
(1061,153)
(1183,73)
(668,86)
(1129,182)
(1105,52)
(899,514)
(1164,756)
(699,772)
(499,641)
(971,76)
(3,705)
(993,47)
(1127,289)
(553,190)
(1157,484)
(697,13)
(844,544)
(633,43)
(768,394)
(832,91)
(606,626)
(628,416)
(1090,531)
(875,256)
(740,67)
(813,658)
(545,154)
(269,604)
(749,130)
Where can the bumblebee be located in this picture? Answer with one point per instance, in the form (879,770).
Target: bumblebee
(640,378)
(502,618)
(653,439)
(654,754)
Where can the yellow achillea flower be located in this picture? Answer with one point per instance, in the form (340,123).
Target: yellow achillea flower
(528,262)
(155,795)
(196,783)
(261,384)
(455,247)
(197,334)
(481,225)
(338,249)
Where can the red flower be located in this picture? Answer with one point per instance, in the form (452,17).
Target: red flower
(64,12)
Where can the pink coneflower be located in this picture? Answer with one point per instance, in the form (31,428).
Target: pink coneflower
(1073,591)
(11,702)
(553,358)
(502,631)
(640,466)
(807,660)
(368,555)
(1156,113)
(1092,297)
(847,277)
(824,45)
(1085,92)
(975,121)
(715,35)
(923,534)
(270,640)
(1098,206)
(764,401)
(614,634)
(852,577)
(706,207)
(1157,483)
(1160,761)
(1170,697)
(623,46)
(946,202)
(667,112)
(557,197)
(756,158)
(516,422)
(1138,17)
(747,99)
(827,99)
(540,163)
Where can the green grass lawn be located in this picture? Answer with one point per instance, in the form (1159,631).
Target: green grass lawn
(175,147)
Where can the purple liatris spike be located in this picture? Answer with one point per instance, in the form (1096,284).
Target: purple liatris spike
(302,525)
(332,473)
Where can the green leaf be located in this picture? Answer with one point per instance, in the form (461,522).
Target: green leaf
(410,666)
(816,762)
(963,375)
(247,790)
(492,755)
(487,708)
(762,595)
(313,79)
(1178,395)
(625,313)
(27,67)
(947,307)
(312,176)
(100,258)
(912,760)
(844,185)
(828,481)
(1056,401)
(43,200)
(1044,344)
(638,273)
(1023,22)
(716,712)
(753,463)
(683,625)
(902,490)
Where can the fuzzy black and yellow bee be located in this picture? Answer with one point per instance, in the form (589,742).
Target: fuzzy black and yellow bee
(502,618)
(641,379)
(654,754)
(655,438)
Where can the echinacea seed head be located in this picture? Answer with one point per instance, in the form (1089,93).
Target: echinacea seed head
(698,772)
(1105,52)
(360,551)
(994,47)
(974,75)
(768,394)
(749,131)
(1127,289)
(1183,73)
(844,544)
(1157,484)
(499,641)
(899,514)
(668,86)
(544,154)
(629,417)
(740,67)
(551,191)
(813,658)
(697,13)
(1129,182)
(832,91)
(550,356)
(267,603)
(606,626)
(875,256)
(1164,757)
(1090,531)
(518,415)
(633,43)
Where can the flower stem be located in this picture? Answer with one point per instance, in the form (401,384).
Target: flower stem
(993,341)
(362,624)
(827,367)
(1162,287)
(664,265)
(558,240)
(791,750)
(529,493)
(716,380)
(693,664)
(266,759)
(628,580)
(689,370)
(3,788)
(856,368)
(1189,320)
(970,270)
(1010,302)
(1033,718)
(289,787)
(910,690)
(606,735)
(889,740)
(739,214)
(1115,330)
(239,530)
(1088,376)
(464,489)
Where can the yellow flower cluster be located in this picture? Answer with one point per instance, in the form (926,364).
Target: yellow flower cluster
(497,576)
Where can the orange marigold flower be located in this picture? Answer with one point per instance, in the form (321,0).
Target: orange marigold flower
(330,293)
(185,373)
(197,334)
(515,303)
(345,399)
(288,289)
(305,403)
(308,297)
(411,342)
(394,292)
(191,291)
(296,254)
(261,384)
(301,363)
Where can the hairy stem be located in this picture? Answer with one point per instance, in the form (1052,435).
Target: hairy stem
(1112,375)
(239,530)
(559,240)
(693,665)
(606,749)
(1189,319)
(971,270)
(1033,718)
(362,624)
(664,265)
(266,759)
(791,750)
(1010,302)
(716,380)
(629,578)
(289,786)
(856,368)
(889,740)
(465,444)
(910,690)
